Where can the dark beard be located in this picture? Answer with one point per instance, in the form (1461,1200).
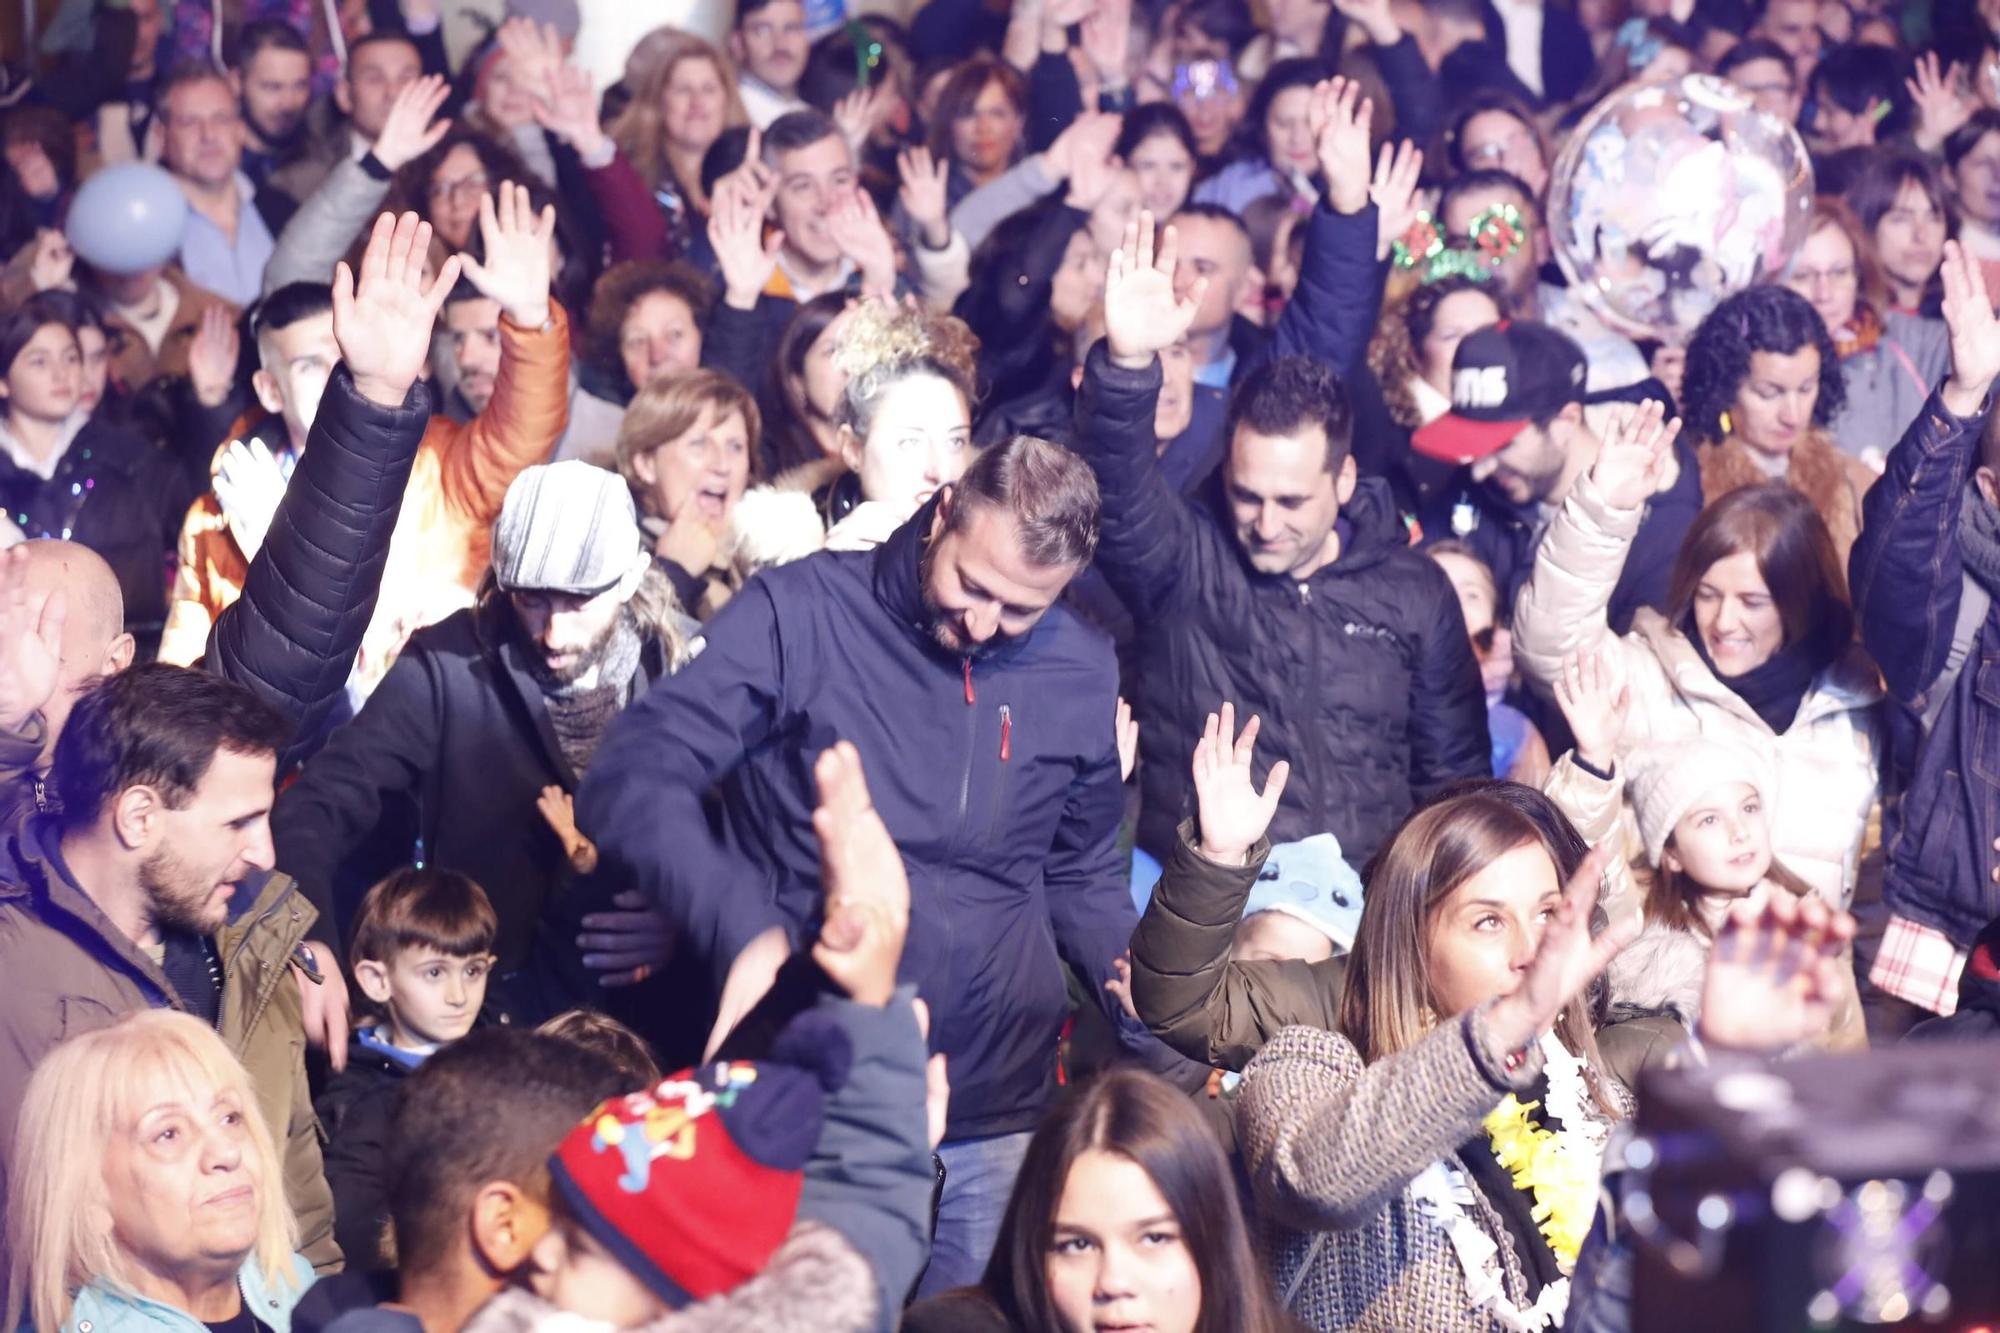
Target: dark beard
(556,681)
(279,143)
(177,903)
(937,620)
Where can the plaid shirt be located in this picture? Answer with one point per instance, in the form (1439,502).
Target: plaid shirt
(1919,965)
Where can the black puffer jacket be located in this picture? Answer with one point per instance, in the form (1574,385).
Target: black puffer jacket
(121,497)
(1362,673)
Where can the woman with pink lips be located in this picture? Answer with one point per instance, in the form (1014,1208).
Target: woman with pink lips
(144,1193)
(1755,645)
(1762,390)
(1278,155)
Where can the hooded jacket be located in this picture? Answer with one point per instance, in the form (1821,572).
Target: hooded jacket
(996,774)
(68,970)
(102,1308)
(1362,673)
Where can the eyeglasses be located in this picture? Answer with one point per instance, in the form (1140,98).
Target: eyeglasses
(458,191)
(1839,275)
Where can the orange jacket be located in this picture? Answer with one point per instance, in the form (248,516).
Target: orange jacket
(443,539)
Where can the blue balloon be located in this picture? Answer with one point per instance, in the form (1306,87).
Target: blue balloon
(127,218)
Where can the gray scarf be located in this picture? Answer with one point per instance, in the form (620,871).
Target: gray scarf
(578,714)
(1979,539)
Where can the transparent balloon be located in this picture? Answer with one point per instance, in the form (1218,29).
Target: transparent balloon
(1670,197)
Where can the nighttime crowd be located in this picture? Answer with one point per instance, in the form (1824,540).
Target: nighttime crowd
(979,668)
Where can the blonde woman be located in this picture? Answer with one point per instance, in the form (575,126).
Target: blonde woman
(683,97)
(144,1192)
(687,447)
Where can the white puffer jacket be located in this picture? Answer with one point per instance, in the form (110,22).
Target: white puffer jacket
(1826,765)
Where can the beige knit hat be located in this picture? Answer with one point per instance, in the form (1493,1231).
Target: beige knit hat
(1665,781)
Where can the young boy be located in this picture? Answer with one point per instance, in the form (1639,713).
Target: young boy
(422,949)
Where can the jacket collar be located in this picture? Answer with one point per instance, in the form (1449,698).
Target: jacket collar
(898,580)
(106,1309)
(1850,684)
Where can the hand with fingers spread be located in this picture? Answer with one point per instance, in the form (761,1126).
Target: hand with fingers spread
(744,254)
(1566,960)
(1633,457)
(1090,137)
(1942,105)
(1595,704)
(31,630)
(568,110)
(1975,332)
(519,257)
(926,194)
(383,321)
(212,355)
(867,911)
(533,51)
(1141,314)
(626,945)
(1394,193)
(856,227)
(1774,974)
(1090,179)
(249,485)
(558,809)
(1377,18)
(1128,741)
(861,111)
(407,131)
(1107,42)
(1231,812)
(1339,117)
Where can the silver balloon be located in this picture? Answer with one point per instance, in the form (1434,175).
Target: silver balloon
(1669,197)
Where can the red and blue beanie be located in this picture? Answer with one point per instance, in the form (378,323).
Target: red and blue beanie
(693,1184)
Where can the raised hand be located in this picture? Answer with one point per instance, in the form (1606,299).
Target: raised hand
(858,113)
(744,254)
(408,131)
(1141,315)
(212,355)
(534,52)
(856,227)
(568,110)
(519,257)
(383,321)
(1595,703)
(1107,41)
(249,485)
(1232,813)
(1394,193)
(926,194)
(1374,17)
(1339,117)
(1090,137)
(1566,959)
(1128,741)
(1942,105)
(867,911)
(1774,976)
(558,810)
(1090,179)
(1634,454)
(1975,332)
(31,630)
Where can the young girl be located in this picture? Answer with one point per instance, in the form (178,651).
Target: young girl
(1124,1215)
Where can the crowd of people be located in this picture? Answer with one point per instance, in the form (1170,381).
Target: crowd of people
(971,667)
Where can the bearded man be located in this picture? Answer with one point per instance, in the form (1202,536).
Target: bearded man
(465,756)
(984,713)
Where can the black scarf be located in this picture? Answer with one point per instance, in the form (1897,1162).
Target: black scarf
(1774,690)
(1515,1205)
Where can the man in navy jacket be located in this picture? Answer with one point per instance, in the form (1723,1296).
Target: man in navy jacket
(984,715)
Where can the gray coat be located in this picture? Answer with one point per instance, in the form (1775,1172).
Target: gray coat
(1888,384)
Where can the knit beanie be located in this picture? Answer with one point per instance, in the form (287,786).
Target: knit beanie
(1666,780)
(693,1184)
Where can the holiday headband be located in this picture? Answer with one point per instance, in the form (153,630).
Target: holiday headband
(1496,235)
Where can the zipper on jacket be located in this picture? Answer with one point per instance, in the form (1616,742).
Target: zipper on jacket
(1006,732)
(970,697)
(1305,594)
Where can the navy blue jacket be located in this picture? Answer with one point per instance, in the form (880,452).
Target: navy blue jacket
(1908,576)
(997,776)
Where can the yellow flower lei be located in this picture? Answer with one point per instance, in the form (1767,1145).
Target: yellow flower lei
(1560,1169)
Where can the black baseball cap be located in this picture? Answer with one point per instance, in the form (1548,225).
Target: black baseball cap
(1502,377)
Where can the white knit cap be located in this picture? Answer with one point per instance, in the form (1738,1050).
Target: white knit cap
(1666,780)
(566,527)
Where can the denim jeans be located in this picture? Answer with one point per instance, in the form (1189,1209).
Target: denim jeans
(978,1180)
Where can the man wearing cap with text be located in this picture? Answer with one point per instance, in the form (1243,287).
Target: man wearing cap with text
(489,719)
(1517,425)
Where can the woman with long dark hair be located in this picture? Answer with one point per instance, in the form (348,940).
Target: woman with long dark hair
(1124,1213)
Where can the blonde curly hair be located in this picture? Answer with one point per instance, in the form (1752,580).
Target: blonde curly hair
(880,345)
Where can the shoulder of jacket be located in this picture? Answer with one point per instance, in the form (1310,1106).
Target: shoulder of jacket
(1310,1044)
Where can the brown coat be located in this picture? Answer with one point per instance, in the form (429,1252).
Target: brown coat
(68,969)
(133,363)
(444,537)
(1832,480)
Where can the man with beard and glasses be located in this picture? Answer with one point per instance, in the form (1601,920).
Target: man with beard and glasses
(152,886)
(273,80)
(984,714)
(466,755)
